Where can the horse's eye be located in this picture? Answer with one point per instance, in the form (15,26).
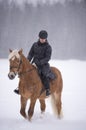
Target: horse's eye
(17,60)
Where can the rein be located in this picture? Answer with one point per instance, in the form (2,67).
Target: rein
(18,67)
(28,71)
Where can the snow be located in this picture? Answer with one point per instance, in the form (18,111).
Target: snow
(73,100)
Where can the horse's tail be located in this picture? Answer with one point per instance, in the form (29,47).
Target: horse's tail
(56,104)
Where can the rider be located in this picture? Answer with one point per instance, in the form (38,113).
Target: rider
(40,54)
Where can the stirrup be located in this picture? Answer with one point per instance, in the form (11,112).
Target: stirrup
(48,92)
(16,91)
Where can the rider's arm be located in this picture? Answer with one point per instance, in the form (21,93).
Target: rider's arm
(31,53)
(47,55)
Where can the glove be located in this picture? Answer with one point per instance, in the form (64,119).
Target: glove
(34,65)
(37,62)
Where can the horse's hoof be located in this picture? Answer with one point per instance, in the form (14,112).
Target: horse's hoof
(23,114)
(29,119)
(42,114)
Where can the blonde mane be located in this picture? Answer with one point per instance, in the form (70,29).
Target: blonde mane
(14,54)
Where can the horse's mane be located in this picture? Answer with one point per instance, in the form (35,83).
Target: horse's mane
(13,54)
(27,62)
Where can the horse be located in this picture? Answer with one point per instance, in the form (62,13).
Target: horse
(30,85)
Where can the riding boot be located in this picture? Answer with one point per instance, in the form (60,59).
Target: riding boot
(16,90)
(47,86)
(48,92)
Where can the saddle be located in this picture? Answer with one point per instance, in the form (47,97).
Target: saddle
(51,75)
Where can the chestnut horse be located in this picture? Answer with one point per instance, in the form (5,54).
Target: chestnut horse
(30,84)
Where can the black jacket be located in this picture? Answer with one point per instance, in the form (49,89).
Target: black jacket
(40,53)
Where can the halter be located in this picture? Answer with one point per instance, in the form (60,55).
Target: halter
(20,74)
(18,67)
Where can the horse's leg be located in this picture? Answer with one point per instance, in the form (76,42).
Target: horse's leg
(23,106)
(31,108)
(42,105)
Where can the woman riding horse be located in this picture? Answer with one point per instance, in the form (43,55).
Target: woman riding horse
(30,84)
(40,54)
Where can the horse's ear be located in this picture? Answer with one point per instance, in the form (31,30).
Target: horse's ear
(10,50)
(20,51)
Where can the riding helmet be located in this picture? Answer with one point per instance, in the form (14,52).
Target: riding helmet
(43,34)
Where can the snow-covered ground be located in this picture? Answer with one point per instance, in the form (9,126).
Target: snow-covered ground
(73,100)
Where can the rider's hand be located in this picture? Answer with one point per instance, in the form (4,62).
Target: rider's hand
(37,62)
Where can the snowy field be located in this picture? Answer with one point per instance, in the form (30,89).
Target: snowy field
(73,100)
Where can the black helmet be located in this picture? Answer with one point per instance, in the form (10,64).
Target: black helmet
(43,34)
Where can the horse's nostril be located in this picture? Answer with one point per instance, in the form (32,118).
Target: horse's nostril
(11,76)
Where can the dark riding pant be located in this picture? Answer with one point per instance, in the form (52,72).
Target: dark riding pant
(44,73)
(45,81)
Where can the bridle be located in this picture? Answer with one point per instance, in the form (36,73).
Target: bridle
(18,68)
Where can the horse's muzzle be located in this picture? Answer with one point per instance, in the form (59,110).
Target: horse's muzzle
(11,75)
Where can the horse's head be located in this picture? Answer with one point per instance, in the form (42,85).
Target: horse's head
(15,63)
